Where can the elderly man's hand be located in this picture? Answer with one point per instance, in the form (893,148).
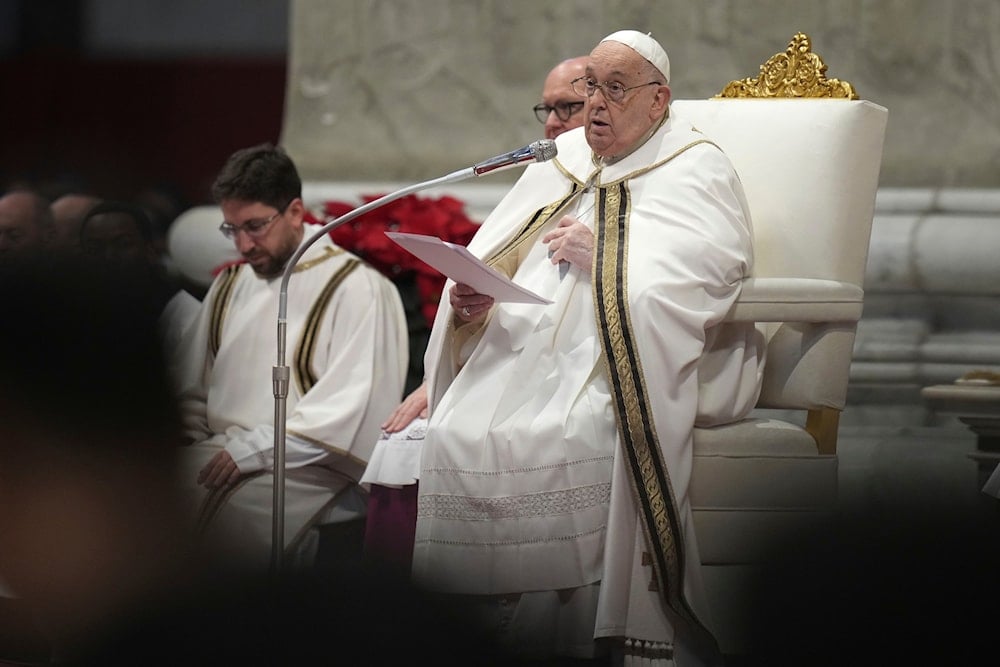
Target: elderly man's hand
(571,241)
(468,304)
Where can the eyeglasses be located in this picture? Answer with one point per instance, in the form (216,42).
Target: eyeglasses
(252,228)
(564,110)
(613,91)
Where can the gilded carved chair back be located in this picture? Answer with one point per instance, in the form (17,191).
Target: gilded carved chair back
(797,72)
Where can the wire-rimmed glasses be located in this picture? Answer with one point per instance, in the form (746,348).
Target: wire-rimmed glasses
(613,91)
(564,110)
(252,228)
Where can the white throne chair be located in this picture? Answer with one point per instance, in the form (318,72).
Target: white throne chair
(808,152)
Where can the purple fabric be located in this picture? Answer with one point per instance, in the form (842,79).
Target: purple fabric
(390,525)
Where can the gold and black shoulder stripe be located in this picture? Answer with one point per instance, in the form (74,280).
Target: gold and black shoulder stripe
(539,218)
(307,343)
(220,306)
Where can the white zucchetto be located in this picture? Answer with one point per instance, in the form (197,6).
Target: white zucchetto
(645,46)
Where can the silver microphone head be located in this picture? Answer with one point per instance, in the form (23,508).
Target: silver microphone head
(544,149)
(538,151)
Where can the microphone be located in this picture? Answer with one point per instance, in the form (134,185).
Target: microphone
(537,151)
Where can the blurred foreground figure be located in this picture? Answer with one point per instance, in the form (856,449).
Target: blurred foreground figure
(97,566)
(911,582)
(88,434)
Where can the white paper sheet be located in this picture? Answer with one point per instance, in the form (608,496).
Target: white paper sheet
(456,262)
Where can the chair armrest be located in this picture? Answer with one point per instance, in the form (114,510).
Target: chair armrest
(797,300)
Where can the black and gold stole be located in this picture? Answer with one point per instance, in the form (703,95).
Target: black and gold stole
(651,485)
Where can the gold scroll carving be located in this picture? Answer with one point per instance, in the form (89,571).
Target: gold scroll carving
(798,72)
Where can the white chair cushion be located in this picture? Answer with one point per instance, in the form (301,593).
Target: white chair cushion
(760,464)
(754,436)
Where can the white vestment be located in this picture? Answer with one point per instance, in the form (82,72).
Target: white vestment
(176,318)
(546,420)
(346,349)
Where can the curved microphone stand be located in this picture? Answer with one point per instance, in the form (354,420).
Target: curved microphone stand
(538,151)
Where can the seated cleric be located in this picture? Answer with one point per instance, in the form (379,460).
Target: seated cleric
(553,501)
(346,332)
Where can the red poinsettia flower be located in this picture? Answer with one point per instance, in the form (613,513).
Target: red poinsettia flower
(443,217)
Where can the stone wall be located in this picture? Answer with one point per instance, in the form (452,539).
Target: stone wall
(407,91)
(932,293)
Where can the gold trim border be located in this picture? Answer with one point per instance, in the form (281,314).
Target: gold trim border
(650,478)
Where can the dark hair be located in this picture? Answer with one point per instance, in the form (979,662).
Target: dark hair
(262,173)
(139,216)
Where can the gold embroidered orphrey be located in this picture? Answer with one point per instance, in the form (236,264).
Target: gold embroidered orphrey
(651,484)
(798,72)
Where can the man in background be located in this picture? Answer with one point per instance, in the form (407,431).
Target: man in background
(121,234)
(26,228)
(560,107)
(117,233)
(68,212)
